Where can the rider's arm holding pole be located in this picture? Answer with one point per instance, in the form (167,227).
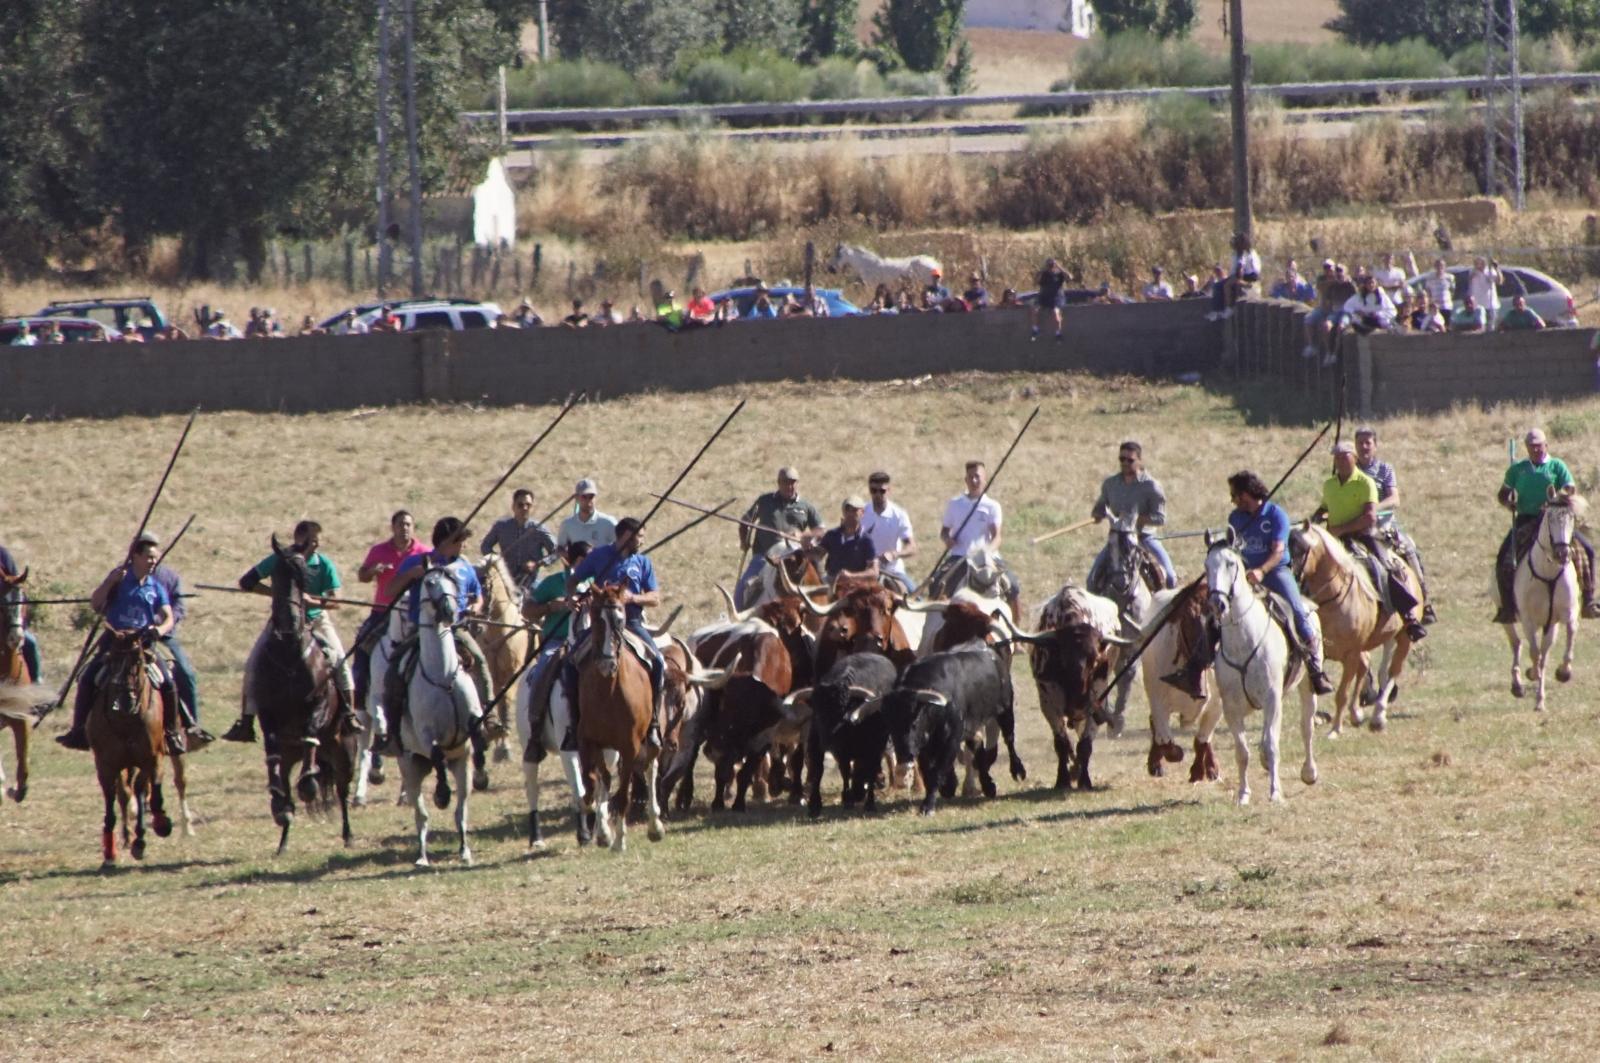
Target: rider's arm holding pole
(251,581)
(100,598)
(1364,521)
(1507,497)
(165,622)
(1253,575)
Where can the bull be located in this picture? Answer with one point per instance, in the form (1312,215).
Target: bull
(846,721)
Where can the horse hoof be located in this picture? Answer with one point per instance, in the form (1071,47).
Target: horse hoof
(1563,675)
(17,793)
(1517,690)
(502,754)
(1308,775)
(162,824)
(282,817)
(375,776)
(306,789)
(466,858)
(1335,733)
(1243,799)
(422,861)
(441,795)
(136,850)
(1378,723)
(655,833)
(537,845)
(358,801)
(480,780)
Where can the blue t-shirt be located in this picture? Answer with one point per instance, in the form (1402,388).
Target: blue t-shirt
(466,580)
(8,564)
(606,565)
(135,604)
(1269,525)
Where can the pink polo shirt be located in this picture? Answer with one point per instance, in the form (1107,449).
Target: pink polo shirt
(385,553)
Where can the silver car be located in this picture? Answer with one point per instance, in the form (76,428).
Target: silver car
(1546,296)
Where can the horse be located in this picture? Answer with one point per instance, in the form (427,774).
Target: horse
(1350,610)
(505,646)
(875,270)
(441,710)
(1122,580)
(1164,646)
(127,734)
(1546,590)
(615,706)
(298,704)
(16,710)
(1254,666)
(556,735)
(375,724)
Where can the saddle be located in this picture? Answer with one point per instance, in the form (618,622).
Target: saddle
(1283,616)
(634,644)
(1527,534)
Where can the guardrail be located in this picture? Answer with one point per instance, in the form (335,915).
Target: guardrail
(567,116)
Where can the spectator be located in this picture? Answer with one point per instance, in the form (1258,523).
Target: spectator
(352,325)
(1469,317)
(1391,279)
(904,304)
(1519,317)
(221,328)
(664,306)
(1217,288)
(815,305)
(701,310)
(52,334)
(1158,290)
(171,332)
(24,337)
(607,315)
(882,302)
(636,315)
(1440,286)
(762,309)
(1293,286)
(1009,299)
(308,327)
(1425,316)
(882,295)
(976,296)
(1191,287)
(1334,291)
(131,334)
(576,319)
(1246,269)
(1105,295)
(1052,279)
(526,316)
(386,321)
(936,287)
(1483,284)
(792,307)
(1370,309)
(256,327)
(931,302)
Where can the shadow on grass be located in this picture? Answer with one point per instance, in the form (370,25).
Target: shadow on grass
(126,865)
(1063,816)
(1271,401)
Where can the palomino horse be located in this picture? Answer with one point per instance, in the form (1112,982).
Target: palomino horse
(375,730)
(15,712)
(1546,589)
(1254,667)
(295,696)
(875,270)
(615,706)
(441,712)
(1165,650)
(128,736)
(505,647)
(1353,621)
(1121,579)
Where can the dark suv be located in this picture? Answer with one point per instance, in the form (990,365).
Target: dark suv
(114,313)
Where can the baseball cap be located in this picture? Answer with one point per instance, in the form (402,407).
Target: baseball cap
(1344,446)
(586,486)
(1535,435)
(789,472)
(854,502)
(147,538)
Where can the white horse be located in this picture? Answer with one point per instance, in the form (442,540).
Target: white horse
(875,270)
(1254,667)
(553,737)
(441,705)
(1121,580)
(1167,701)
(375,725)
(1546,590)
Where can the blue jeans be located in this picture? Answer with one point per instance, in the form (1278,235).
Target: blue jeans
(1281,582)
(30,657)
(361,657)
(751,576)
(1150,543)
(183,676)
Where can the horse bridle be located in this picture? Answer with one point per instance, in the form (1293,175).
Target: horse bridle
(1237,617)
(1533,570)
(439,575)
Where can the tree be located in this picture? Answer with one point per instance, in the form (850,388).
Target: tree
(1161,18)
(829,28)
(1451,25)
(762,25)
(921,32)
(641,36)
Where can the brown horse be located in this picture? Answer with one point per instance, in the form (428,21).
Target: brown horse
(614,709)
(14,707)
(127,734)
(298,703)
(505,647)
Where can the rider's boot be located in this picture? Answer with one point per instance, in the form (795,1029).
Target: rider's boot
(1320,683)
(77,736)
(1191,677)
(1504,577)
(243,729)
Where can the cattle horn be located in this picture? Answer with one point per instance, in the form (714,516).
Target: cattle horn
(812,607)
(1018,635)
(796,708)
(1117,640)
(932,697)
(657,632)
(866,708)
(734,612)
(714,678)
(919,607)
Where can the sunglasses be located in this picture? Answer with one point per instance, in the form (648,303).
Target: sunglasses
(877,490)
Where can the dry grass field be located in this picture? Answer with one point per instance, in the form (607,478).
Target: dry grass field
(1433,896)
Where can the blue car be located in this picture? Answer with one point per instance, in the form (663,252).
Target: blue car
(744,298)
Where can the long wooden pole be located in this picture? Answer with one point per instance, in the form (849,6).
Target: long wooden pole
(998,469)
(1074,526)
(662,497)
(566,408)
(692,524)
(723,516)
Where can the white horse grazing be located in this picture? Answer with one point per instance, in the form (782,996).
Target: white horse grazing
(1163,653)
(1254,667)
(441,705)
(1546,589)
(556,735)
(375,725)
(875,270)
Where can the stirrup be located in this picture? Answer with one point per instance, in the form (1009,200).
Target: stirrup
(176,746)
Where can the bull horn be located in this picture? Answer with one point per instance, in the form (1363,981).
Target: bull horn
(796,708)
(784,580)
(1117,640)
(733,612)
(865,692)
(812,607)
(932,697)
(796,697)
(657,632)
(715,678)
(1018,635)
(865,709)
(919,607)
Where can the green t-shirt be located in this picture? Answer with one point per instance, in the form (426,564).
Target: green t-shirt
(1532,483)
(1345,501)
(1521,319)
(554,625)
(324,577)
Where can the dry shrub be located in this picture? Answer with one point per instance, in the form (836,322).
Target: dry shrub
(1338,1034)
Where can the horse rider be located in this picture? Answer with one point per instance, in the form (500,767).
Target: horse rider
(30,645)
(782,510)
(449,536)
(380,566)
(131,600)
(1132,492)
(621,563)
(551,608)
(183,673)
(522,541)
(321,594)
(848,549)
(1263,530)
(1524,491)
(970,520)
(1350,503)
(1383,474)
(588,524)
(889,527)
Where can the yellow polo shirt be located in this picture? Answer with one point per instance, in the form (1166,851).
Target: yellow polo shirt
(1345,501)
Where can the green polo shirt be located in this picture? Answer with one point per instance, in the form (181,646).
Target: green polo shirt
(555,625)
(1345,501)
(1532,483)
(796,515)
(324,577)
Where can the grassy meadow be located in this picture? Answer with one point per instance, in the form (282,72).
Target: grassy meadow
(1434,895)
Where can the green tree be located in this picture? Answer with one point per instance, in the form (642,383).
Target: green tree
(764,25)
(829,28)
(1451,25)
(920,32)
(1162,18)
(1178,18)
(641,36)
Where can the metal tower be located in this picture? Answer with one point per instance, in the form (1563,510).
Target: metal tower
(1502,104)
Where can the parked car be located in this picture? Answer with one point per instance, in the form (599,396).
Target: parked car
(115,313)
(73,329)
(744,298)
(421,314)
(1546,296)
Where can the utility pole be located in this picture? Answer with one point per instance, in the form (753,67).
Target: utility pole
(1502,104)
(544,31)
(413,154)
(384,250)
(1241,119)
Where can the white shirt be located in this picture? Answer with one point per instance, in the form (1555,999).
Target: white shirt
(1158,290)
(1442,288)
(1481,286)
(983,527)
(888,530)
(1376,305)
(598,530)
(1389,278)
(1247,262)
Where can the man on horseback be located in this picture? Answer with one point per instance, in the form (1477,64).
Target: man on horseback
(1383,474)
(622,563)
(1132,492)
(782,510)
(522,541)
(972,520)
(323,590)
(552,608)
(183,673)
(588,524)
(382,565)
(1524,491)
(30,645)
(1263,530)
(131,601)
(889,528)
(1350,503)
(847,550)
(449,536)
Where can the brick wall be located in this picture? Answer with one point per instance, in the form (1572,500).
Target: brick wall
(336,372)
